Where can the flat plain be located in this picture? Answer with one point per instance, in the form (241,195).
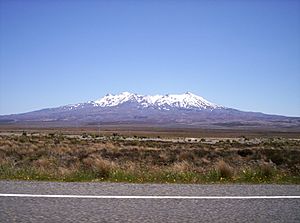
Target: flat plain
(149,155)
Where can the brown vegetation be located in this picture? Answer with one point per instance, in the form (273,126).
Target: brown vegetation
(59,156)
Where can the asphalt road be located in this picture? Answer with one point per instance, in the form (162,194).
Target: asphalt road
(61,209)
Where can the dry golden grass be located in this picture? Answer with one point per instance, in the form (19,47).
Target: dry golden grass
(110,146)
(62,149)
(44,164)
(181,167)
(186,156)
(225,170)
(98,165)
(63,156)
(130,166)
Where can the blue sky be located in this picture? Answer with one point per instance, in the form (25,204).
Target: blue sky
(241,54)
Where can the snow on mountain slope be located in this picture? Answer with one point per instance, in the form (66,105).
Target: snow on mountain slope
(113,100)
(165,102)
(170,110)
(187,100)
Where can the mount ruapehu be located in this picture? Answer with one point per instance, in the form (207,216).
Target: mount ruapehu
(171,110)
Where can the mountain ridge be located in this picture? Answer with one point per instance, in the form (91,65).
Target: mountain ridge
(187,110)
(187,100)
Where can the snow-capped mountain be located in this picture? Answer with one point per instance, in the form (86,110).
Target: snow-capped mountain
(184,110)
(161,102)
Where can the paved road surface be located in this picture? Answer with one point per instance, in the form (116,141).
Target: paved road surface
(60,209)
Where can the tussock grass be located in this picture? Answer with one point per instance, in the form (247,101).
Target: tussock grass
(97,165)
(224,170)
(61,158)
(181,167)
(143,176)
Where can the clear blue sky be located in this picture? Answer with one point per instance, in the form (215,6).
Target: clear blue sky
(240,54)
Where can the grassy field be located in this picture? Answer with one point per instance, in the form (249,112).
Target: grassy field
(108,156)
